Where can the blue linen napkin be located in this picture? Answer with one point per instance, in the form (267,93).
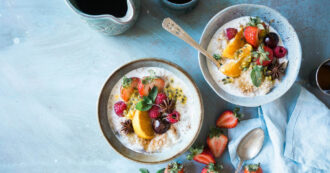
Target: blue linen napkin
(297,129)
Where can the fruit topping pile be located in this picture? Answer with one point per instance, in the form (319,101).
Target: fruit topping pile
(252,48)
(148,105)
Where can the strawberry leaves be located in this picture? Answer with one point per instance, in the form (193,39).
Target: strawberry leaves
(126,82)
(215,132)
(146,103)
(195,151)
(237,114)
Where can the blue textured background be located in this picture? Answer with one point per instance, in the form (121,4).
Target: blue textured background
(53,66)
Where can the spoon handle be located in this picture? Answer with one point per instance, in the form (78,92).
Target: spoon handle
(239,166)
(170,26)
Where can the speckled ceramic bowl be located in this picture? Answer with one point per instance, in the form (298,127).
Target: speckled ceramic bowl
(281,25)
(107,129)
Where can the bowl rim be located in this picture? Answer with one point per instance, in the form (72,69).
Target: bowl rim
(204,69)
(196,90)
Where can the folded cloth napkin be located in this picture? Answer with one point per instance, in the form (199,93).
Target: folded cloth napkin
(297,129)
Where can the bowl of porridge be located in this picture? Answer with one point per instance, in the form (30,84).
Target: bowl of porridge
(258,50)
(150,110)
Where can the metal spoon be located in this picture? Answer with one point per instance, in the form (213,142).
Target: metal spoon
(170,26)
(250,146)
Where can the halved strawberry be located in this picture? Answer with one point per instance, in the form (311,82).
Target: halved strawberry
(174,167)
(211,168)
(229,119)
(201,155)
(128,86)
(251,35)
(217,142)
(265,55)
(148,82)
(252,168)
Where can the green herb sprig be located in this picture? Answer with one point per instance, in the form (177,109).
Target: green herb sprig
(146,103)
(257,75)
(126,82)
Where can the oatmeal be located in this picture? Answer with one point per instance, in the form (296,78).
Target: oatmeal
(149,110)
(251,55)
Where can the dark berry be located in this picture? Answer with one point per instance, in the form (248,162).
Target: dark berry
(160,98)
(160,126)
(231,32)
(271,40)
(280,52)
(173,117)
(154,112)
(119,108)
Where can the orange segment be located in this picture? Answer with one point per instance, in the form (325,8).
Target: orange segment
(142,125)
(233,68)
(234,45)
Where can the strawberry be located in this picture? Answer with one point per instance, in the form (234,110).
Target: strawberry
(201,155)
(229,119)
(174,167)
(251,35)
(264,55)
(211,168)
(148,82)
(253,168)
(128,86)
(217,142)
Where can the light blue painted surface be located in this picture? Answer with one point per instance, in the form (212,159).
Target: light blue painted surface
(53,66)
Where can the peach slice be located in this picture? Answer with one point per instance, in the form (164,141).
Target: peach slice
(233,46)
(233,68)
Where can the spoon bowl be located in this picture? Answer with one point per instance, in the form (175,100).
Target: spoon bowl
(250,145)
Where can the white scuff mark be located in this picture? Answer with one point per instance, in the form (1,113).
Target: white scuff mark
(16,40)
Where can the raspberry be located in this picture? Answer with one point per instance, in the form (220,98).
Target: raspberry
(160,98)
(280,52)
(154,112)
(173,117)
(119,108)
(231,32)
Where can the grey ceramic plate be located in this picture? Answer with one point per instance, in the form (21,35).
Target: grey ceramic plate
(103,107)
(283,27)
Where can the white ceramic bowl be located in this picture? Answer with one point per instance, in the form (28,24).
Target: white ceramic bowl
(286,32)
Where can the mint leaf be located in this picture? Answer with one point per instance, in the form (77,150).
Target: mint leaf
(257,75)
(153,93)
(143,170)
(161,170)
(147,100)
(143,105)
(146,103)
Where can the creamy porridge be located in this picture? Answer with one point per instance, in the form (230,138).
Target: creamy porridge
(149,121)
(243,46)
